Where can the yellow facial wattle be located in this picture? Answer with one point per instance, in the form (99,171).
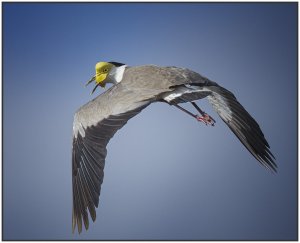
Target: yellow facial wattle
(100,77)
(102,70)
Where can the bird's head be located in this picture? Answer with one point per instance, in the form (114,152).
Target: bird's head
(103,71)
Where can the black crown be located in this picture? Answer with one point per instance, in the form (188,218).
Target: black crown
(117,64)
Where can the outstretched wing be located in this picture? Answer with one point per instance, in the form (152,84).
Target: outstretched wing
(88,159)
(242,125)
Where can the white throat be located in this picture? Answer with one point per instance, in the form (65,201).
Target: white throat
(116,74)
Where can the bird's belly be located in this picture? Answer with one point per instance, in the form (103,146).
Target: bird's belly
(184,94)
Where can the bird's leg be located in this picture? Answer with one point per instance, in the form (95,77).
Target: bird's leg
(184,110)
(207,119)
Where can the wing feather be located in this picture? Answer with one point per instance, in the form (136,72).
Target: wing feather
(88,160)
(242,125)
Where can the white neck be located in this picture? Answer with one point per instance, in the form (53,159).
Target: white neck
(116,74)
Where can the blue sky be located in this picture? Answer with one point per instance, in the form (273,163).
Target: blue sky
(166,176)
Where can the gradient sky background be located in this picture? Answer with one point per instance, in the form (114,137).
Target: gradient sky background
(166,176)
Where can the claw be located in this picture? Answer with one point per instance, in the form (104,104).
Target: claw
(206,119)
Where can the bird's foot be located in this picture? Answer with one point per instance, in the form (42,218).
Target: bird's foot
(206,119)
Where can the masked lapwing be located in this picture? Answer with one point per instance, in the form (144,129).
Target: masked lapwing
(133,89)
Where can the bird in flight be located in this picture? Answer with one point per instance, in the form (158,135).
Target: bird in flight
(133,89)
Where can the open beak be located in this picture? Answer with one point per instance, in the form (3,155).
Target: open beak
(91,80)
(95,88)
(102,84)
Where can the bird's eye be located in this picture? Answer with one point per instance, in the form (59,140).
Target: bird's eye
(105,70)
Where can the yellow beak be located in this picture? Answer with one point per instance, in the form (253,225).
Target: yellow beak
(99,79)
